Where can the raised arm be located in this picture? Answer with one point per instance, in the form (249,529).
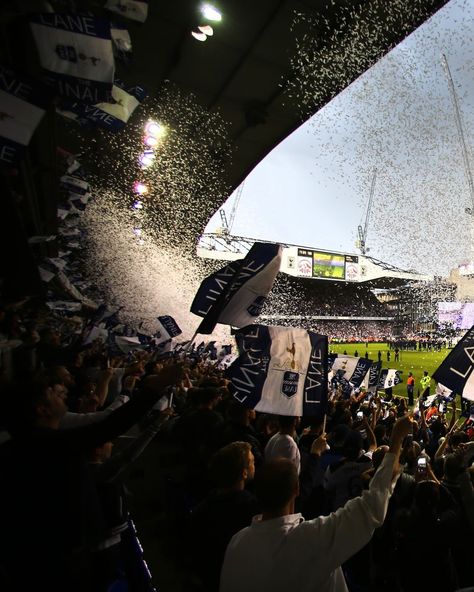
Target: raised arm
(346,531)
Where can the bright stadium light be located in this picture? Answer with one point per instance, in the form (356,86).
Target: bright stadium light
(199,36)
(138,205)
(211,13)
(140,188)
(146,158)
(207,30)
(153,128)
(151,141)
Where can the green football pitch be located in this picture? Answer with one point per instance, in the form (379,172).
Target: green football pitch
(410,361)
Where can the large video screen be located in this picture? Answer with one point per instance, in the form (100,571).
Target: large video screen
(460,315)
(329,265)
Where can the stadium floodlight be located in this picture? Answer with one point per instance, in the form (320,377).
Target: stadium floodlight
(199,36)
(138,205)
(153,128)
(140,188)
(151,141)
(211,13)
(207,30)
(146,158)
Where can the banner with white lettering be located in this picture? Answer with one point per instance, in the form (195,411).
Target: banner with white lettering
(389,377)
(456,371)
(77,53)
(280,370)
(22,105)
(354,369)
(235,294)
(167,329)
(110,116)
(371,380)
(136,10)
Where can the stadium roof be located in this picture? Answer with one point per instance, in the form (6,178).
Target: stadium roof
(357,268)
(243,71)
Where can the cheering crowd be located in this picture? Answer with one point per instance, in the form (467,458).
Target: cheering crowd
(335,503)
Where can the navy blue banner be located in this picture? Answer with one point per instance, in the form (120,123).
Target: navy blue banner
(249,371)
(22,88)
(218,290)
(360,372)
(81,89)
(316,382)
(74,23)
(374,373)
(170,325)
(458,365)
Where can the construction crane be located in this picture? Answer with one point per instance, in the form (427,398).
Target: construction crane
(227,224)
(361,243)
(462,141)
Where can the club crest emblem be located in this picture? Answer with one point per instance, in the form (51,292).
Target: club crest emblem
(289,386)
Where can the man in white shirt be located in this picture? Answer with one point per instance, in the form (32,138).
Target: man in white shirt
(281,552)
(282,444)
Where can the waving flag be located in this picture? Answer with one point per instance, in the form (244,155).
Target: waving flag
(354,369)
(167,329)
(371,379)
(112,116)
(280,370)
(235,294)
(76,52)
(455,373)
(22,105)
(122,41)
(389,377)
(136,10)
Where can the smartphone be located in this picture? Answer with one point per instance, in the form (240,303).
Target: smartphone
(422,464)
(360,415)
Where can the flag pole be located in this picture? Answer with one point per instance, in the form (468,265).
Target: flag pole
(190,342)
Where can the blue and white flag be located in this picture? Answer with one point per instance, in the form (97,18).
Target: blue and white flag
(389,377)
(112,116)
(22,105)
(122,41)
(136,10)
(77,53)
(456,371)
(371,380)
(235,294)
(280,370)
(167,329)
(74,185)
(354,369)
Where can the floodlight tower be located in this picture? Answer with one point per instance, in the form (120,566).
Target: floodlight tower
(462,141)
(362,231)
(227,225)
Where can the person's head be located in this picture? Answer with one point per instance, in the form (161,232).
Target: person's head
(240,414)
(40,402)
(380,433)
(453,467)
(276,485)
(62,374)
(288,423)
(232,466)
(427,497)
(459,437)
(50,336)
(207,398)
(353,445)
(425,373)
(410,374)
